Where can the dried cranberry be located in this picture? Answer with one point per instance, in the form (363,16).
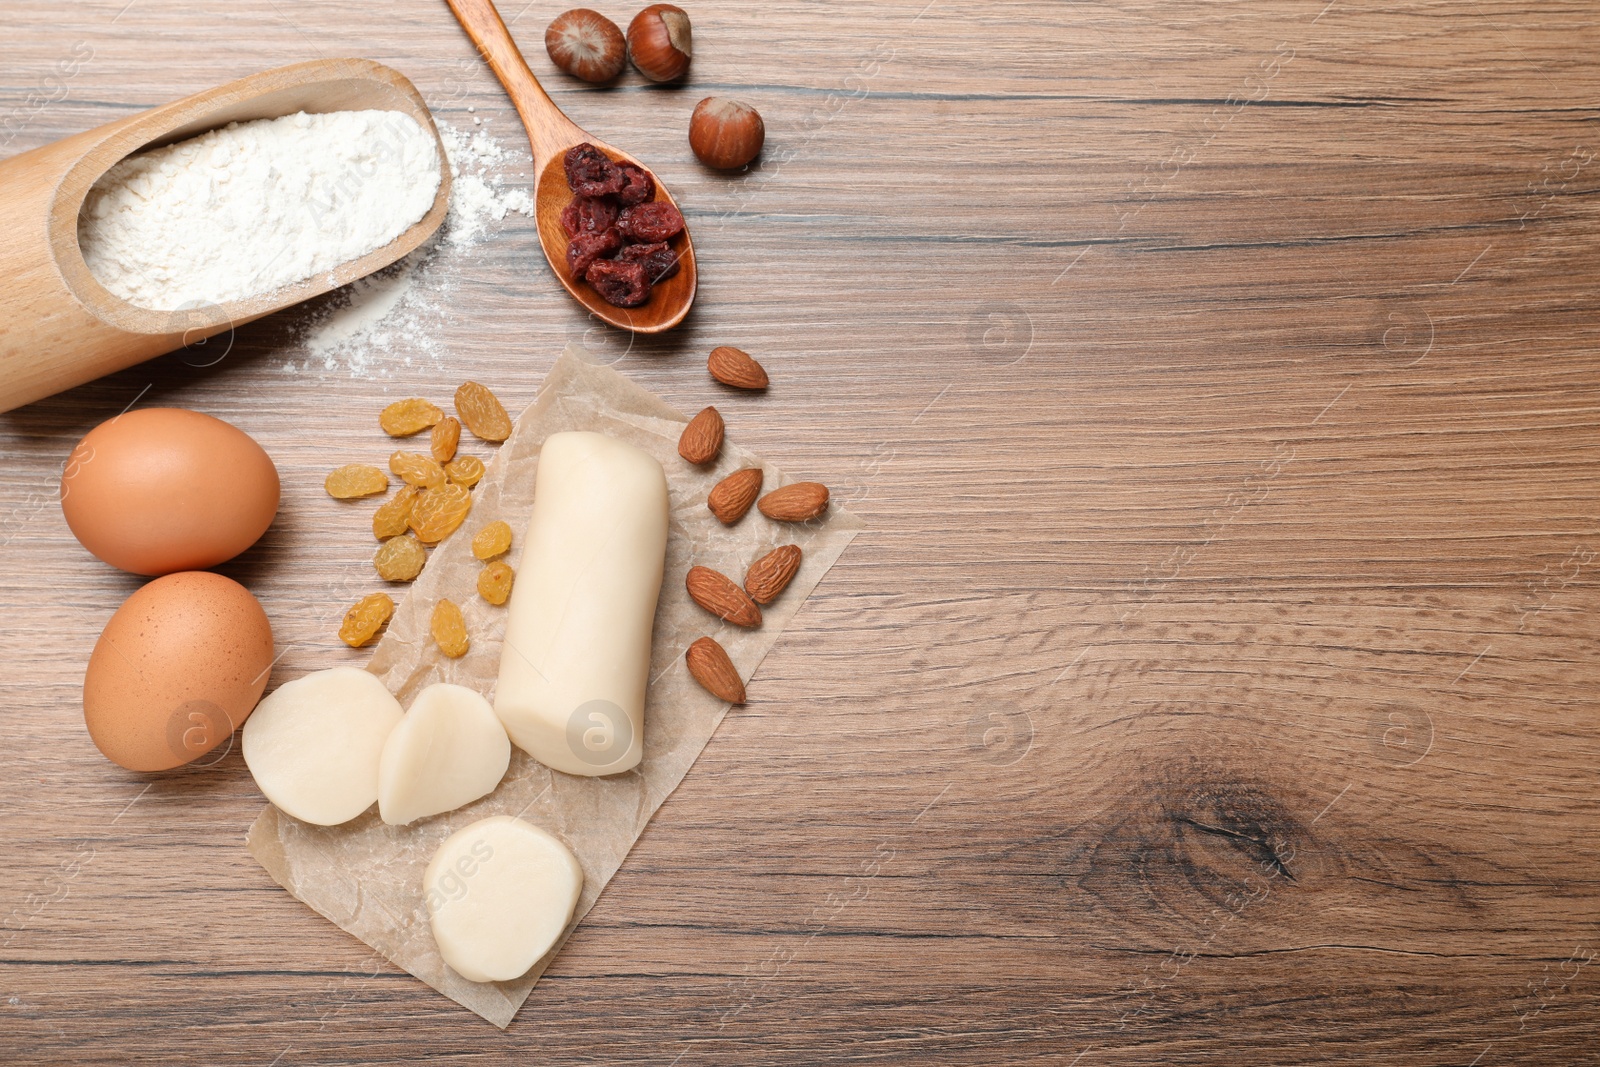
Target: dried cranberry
(637,185)
(590,171)
(659,261)
(587,248)
(588,214)
(656,221)
(619,282)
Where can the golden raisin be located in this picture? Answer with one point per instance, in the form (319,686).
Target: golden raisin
(416,469)
(482,413)
(493,540)
(406,417)
(355,480)
(438,512)
(390,518)
(400,559)
(494,582)
(363,621)
(449,629)
(446,435)
(465,471)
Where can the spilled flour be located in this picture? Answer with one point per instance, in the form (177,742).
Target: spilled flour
(393,318)
(478,194)
(371,300)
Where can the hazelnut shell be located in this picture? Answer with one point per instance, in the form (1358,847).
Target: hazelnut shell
(661,42)
(726,134)
(586,45)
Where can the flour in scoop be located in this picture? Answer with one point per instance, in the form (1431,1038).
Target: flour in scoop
(255,206)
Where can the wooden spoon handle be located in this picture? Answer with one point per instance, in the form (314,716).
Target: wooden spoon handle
(549,131)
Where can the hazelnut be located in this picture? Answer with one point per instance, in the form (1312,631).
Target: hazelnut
(586,45)
(660,42)
(725,133)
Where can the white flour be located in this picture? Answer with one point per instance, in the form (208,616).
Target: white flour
(395,317)
(254,206)
(371,300)
(478,194)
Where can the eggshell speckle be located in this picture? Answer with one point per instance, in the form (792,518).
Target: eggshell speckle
(178,668)
(162,490)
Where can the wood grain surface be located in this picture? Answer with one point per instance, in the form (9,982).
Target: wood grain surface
(1215,682)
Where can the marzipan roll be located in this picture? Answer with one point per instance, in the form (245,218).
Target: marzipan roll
(576,658)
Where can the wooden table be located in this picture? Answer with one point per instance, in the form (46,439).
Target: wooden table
(1215,682)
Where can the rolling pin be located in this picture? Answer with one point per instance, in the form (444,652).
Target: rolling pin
(59,327)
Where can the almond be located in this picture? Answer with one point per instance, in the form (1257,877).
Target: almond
(732,497)
(800,502)
(716,592)
(732,367)
(771,573)
(711,667)
(702,438)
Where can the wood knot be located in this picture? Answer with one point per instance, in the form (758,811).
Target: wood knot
(1195,837)
(1228,823)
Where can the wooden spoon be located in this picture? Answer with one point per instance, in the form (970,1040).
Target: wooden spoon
(551,133)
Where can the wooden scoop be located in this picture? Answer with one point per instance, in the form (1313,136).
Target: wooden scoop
(551,133)
(59,327)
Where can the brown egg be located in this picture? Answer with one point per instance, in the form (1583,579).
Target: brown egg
(163,490)
(178,668)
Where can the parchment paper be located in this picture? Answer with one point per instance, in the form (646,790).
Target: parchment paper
(365,876)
